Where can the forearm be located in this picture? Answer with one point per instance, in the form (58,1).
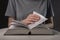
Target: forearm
(12,21)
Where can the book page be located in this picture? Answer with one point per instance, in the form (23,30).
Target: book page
(42,19)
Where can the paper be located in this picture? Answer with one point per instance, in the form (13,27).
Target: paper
(12,25)
(42,19)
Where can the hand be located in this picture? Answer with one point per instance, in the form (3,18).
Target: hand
(30,19)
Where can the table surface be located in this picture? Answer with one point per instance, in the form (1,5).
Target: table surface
(28,37)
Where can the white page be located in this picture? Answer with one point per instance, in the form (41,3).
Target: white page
(12,26)
(42,19)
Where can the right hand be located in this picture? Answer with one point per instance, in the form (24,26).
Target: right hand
(30,19)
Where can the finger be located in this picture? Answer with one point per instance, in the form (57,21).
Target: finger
(33,18)
(36,16)
(29,22)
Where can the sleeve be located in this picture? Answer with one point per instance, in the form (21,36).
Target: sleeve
(50,11)
(11,11)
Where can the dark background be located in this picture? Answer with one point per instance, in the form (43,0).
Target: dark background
(4,19)
(56,7)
